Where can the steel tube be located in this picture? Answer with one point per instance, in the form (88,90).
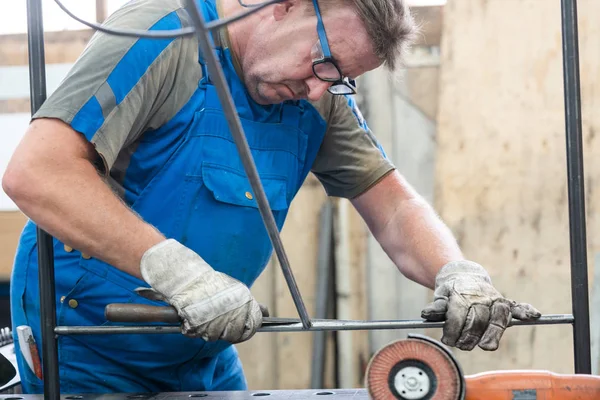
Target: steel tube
(576,192)
(317,325)
(322,293)
(37,79)
(235,126)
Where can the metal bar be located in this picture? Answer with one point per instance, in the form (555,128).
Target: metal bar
(317,325)
(37,79)
(577,226)
(235,126)
(322,293)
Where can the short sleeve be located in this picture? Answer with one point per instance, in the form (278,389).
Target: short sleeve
(350,159)
(118,83)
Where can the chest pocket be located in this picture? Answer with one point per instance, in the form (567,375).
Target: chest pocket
(217,213)
(277,149)
(230,186)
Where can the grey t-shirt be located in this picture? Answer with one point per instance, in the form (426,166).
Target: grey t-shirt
(349,160)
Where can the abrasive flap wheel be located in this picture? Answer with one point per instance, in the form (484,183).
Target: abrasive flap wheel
(414,369)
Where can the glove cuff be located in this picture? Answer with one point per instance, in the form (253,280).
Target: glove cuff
(461,267)
(169,265)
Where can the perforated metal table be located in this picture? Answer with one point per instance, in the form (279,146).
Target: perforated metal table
(357,394)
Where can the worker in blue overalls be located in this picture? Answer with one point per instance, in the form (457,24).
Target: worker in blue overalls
(131,167)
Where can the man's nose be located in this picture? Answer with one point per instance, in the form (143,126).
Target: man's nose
(316,88)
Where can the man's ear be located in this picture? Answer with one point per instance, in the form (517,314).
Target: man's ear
(283,8)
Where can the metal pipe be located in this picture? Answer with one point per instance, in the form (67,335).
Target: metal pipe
(235,126)
(317,325)
(37,88)
(576,192)
(346,362)
(322,293)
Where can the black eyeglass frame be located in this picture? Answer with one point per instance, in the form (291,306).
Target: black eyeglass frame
(343,84)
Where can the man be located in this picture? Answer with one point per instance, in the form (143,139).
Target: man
(130,165)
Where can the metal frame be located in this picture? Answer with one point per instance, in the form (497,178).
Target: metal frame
(576,198)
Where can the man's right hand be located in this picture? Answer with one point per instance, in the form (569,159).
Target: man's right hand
(212,305)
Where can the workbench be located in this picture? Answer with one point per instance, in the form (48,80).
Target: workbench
(339,394)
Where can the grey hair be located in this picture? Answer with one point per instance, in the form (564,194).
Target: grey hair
(389,24)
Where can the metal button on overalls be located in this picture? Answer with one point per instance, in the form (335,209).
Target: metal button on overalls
(68,249)
(249,196)
(73,303)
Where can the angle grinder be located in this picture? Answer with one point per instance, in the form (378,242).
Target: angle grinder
(421,368)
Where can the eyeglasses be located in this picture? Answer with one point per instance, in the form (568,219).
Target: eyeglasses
(324,66)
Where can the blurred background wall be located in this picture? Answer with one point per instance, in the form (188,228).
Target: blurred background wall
(475,121)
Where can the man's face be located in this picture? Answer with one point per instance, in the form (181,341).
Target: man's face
(277,62)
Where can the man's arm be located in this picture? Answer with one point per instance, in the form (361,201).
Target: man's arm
(118,89)
(51,177)
(407,228)
(53,180)
(352,164)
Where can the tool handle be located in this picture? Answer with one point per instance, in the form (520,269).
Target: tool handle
(130,312)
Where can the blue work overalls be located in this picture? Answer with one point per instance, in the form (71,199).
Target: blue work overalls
(199,195)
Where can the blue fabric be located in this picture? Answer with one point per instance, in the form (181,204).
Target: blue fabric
(139,57)
(186,178)
(89,118)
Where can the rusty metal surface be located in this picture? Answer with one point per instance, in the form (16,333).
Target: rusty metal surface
(313,394)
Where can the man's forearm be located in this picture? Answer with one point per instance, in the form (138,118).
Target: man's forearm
(79,209)
(67,198)
(407,228)
(418,242)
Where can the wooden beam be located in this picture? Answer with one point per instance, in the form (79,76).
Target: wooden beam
(11,225)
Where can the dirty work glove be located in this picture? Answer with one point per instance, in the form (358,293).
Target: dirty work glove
(211,305)
(474,311)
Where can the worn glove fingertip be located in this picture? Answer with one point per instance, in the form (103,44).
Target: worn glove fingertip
(448,342)
(524,312)
(489,345)
(264,310)
(491,338)
(435,311)
(433,315)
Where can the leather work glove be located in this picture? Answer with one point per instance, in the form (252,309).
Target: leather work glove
(211,305)
(474,311)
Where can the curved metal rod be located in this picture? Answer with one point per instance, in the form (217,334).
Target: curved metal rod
(167,34)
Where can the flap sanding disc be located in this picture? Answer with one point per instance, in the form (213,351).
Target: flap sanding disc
(413,369)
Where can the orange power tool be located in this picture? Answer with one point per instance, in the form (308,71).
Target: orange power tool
(420,368)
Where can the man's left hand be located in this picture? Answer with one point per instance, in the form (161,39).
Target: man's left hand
(474,311)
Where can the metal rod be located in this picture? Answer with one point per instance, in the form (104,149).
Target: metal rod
(37,79)
(235,126)
(322,293)
(576,192)
(317,325)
